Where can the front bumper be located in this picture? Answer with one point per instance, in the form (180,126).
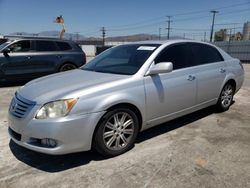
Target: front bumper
(73,133)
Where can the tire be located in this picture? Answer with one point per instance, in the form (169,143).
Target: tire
(116,132)
(226,97)
(66,67)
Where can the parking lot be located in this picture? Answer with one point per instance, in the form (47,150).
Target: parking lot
(203,149)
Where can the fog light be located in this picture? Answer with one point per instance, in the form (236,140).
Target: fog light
(47,142)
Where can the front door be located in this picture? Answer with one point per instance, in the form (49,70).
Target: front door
(16,64)
(171,94)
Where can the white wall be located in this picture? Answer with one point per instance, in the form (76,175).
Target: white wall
(90,50)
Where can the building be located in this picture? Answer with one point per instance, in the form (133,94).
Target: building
(246,31)
(220,35)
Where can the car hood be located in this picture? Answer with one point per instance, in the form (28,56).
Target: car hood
(57,86)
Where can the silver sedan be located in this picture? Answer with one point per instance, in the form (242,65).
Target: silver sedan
(125,90)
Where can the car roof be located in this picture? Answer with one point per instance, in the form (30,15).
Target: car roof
(45,39)
(19,38)
(171,41)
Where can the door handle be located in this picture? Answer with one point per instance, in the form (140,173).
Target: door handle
(222,70)
(28,57)
(191,78)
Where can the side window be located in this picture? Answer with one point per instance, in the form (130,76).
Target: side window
(20,46)
(45,46)
(180,55)
(205,54)
(63,46)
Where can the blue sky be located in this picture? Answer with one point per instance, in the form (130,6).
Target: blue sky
(121,17)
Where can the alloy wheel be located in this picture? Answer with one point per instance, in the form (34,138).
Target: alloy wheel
(227,96)
(118,131)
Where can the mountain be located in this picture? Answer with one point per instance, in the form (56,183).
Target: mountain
(69,36)
(79,37)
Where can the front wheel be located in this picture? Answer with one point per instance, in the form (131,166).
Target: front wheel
(226,97)
(116,132)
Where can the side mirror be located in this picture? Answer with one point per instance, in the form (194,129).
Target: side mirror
(6,51)
(162,67)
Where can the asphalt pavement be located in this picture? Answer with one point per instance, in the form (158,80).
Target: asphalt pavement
(203,149)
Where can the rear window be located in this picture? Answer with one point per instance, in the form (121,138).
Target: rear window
(63,46)
(45,46)
(205,54)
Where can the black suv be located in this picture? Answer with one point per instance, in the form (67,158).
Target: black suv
(25,59)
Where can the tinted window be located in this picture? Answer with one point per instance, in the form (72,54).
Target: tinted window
(20,46)
(2,46)
(180,55)
(45,46)
(63,46)
(205,54)
(124,59)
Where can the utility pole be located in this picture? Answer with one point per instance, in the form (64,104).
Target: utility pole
(77,36)
(229,42)
(159,33)
(184,35)
(212,28)
(205,35)
(234,35)
(103,30)
(168,28)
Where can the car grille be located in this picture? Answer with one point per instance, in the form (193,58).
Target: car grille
(19,106)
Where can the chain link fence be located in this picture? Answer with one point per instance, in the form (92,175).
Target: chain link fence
(237,49)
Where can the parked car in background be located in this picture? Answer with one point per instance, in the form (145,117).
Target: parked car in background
(124,90)
(25,59)
(2,40)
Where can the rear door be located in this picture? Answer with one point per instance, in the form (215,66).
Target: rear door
(210,72)
(170,94)
(45,60)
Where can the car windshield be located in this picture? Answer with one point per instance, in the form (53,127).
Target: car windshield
(124,59)
(2,46)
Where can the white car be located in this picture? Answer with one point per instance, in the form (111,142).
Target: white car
(124,90)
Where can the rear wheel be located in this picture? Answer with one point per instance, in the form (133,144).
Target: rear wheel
(116,132)
(226,97)
(66,67)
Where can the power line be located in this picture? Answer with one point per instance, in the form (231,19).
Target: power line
(186,29)
(218,8)
(229,24)
(175,20)
(137,27)
(181,14)
(157,23)
(138,23)
(221,15)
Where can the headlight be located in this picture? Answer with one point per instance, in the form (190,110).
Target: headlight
(56,109)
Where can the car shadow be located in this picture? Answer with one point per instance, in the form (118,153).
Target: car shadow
(12,84)
(59,163)
(53,163)
(175,124)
